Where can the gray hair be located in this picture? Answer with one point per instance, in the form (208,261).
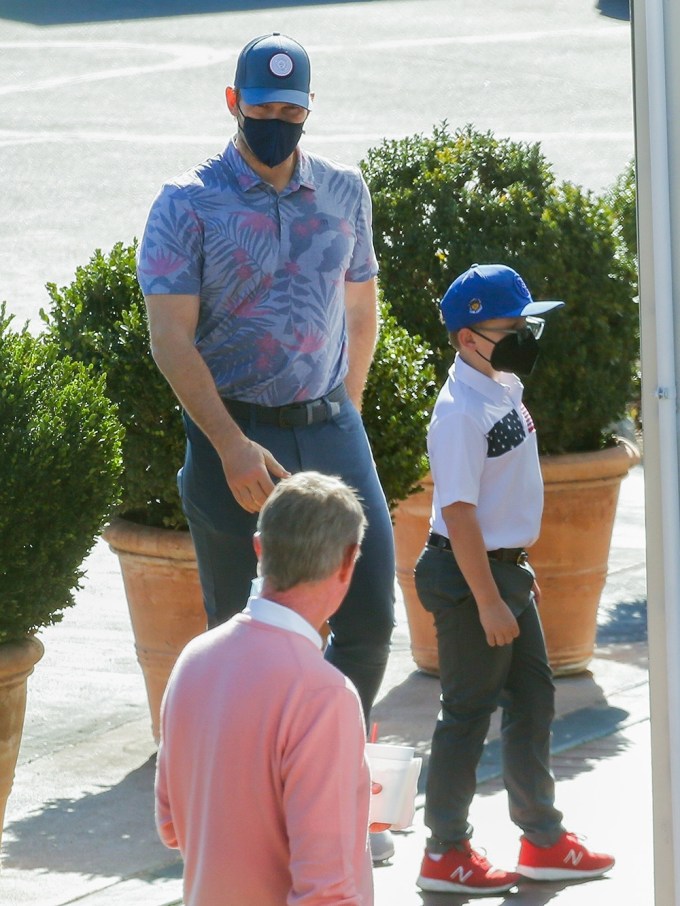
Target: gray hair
(306,526)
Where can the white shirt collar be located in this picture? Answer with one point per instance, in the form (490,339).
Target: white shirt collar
(482,383)
(266,611)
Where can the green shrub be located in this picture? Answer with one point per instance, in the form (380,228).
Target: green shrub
(444,202)
(396,408)
(100,319)
(621,198)
(60,464)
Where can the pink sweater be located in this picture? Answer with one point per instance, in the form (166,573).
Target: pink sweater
(261,777)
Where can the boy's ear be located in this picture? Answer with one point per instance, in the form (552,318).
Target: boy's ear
(466,338)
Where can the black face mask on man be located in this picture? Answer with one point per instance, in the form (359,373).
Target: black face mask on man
(271,141)
(516,352)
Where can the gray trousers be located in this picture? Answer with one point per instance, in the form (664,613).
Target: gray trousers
(476,678)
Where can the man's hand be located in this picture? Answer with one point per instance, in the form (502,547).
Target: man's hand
(377,826)
(248,468)
(498,623)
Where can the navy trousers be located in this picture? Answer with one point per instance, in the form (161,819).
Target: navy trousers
(222,532)
(476,678)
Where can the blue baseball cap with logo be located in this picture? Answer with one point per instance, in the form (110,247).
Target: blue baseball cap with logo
(487,291)
(274,68)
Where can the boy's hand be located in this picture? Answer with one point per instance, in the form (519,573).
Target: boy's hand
(498,623)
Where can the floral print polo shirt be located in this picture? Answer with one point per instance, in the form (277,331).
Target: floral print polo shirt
(269,269)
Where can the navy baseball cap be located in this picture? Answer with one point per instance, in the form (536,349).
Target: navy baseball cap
(274,68)
(487,291)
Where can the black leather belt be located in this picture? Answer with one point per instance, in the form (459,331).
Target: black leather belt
(516,555)
(295,415)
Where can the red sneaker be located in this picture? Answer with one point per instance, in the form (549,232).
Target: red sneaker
(568,859)
(464,871)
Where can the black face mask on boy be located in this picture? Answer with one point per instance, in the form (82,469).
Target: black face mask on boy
(516,352)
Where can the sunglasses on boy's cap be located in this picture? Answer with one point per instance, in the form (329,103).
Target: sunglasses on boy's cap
(487,291)
(274,69)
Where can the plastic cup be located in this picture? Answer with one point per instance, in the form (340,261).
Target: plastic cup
(397,770)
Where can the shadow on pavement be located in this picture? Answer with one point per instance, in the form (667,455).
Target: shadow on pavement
(615,9)
(49,12)
(408,713)
(96,835)
(625,622)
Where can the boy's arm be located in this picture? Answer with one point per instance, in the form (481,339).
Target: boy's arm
(467,543)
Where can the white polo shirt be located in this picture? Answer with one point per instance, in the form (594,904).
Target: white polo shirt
(483,450)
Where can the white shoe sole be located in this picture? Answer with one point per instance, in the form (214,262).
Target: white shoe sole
(434,885)
(560,874)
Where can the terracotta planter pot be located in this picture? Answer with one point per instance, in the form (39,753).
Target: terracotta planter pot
(17,660)
(572,553)
(411,525)
(164,599)
(570,557)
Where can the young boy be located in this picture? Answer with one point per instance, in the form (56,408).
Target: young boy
(475,578)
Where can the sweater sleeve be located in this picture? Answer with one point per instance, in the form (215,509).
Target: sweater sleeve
(326,799)
(164,824)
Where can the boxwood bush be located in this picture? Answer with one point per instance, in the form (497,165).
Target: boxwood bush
(445,201)
(100,320)
(60,465)
(396,407)
(621,198)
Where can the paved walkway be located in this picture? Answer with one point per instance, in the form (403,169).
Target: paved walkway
(79,824)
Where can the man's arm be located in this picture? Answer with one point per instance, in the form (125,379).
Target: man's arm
(163,814)
(326,802)
(361,306)
(247,465)
(467,542)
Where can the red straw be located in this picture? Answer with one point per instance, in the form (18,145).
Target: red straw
(374,733)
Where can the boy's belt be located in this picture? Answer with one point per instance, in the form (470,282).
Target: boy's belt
(295,415)
(516,555)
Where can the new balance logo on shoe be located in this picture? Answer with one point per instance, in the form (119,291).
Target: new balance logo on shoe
(573,857)
(460,874)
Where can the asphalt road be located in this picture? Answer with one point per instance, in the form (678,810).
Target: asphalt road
(96,112)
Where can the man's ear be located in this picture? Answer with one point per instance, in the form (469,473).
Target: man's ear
(257,544)
(350,557)
(232,100)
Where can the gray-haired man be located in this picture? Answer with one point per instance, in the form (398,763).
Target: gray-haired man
(262,781)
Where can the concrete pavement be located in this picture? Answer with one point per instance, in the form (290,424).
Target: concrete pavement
(79,825)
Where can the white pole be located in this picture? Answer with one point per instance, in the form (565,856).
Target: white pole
(658,169)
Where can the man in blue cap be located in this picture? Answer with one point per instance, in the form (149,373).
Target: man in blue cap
(258,271)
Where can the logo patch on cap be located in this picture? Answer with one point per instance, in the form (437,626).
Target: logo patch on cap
(281,65)
(475,307)
(521,287)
